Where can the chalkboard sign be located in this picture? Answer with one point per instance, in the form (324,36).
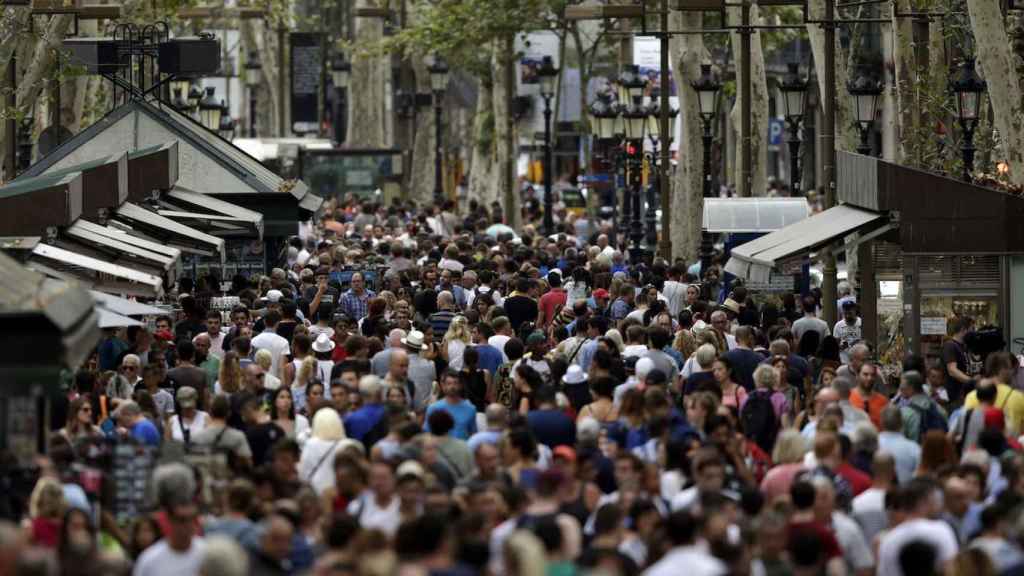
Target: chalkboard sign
(305,80)
(131,466)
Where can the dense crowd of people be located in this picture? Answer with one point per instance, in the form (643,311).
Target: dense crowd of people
(406,394)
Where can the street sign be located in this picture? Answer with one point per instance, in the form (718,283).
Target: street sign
(305,78)
(776,127)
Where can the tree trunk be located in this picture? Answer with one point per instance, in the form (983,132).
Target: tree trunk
(505,133)
(906,87)
(687,52)
(423,151)
(33,81)
(846,133)
(264,42)
(482,181)
(366,104)
(996,64)
(758,107)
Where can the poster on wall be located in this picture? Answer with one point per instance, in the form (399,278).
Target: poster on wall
(534,47)
(647,56)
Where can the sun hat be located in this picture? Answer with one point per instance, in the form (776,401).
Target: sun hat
(414,341)
(323,343)
(574,375)
(730,305)
(410,468)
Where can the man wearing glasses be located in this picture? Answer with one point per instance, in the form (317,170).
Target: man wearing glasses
(131,374)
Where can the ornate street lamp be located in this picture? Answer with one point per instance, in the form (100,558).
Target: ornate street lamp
(604,118)
(631,85)
(341,72)
(226,129)
(210,111)
(606,125)
(195,94)
(547,75)
(968,88)
(253,77)
(634,124)
(438,70)
(653,161)
(865,91)
(707,87)
(793,96)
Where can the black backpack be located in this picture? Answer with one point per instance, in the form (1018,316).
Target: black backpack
(930,419)
(760,423)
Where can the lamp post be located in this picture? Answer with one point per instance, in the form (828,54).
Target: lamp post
(707,87)
(604,124)
(438,70)
(634,121)
(195,94)
(547,75)
(968,87)
(253,76)
(341,71)
(210,111)
(865,91)
(793,95)
(226,128)
(655,136)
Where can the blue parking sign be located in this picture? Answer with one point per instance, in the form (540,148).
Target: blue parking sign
(776,126)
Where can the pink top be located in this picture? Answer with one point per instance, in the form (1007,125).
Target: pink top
(778,480)
(736,398)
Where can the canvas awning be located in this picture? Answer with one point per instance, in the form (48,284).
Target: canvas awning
(176,234)
(752,215)
(124,306)
(109,319)
(755,260)
(193,206)
(88,241)
(101,275)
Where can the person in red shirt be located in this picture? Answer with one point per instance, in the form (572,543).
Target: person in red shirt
(552,300)
(865,397)
(803,522)
(858,480)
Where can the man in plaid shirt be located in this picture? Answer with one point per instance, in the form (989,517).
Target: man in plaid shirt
(355,302)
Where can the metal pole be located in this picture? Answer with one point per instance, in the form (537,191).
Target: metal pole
(438,150)
(706,244)
(252,112)
(549,164)
(968,149)
(664,186)
(651,214)
(828,145)
(623,162)
(636,229)
(321,95)
(794,159)
(746,159)
(282,85)
(11,144)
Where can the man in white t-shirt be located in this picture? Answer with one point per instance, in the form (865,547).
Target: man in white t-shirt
(847,331)
(922,504)
(674,291)
(180,553)
(271,341)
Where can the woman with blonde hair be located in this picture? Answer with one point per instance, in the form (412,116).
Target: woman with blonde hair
(46,508)
(229,381)
(454,343)
(788,457)
(316,465)
(305,373)
(265,359)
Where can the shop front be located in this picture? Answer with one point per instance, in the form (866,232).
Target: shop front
(929,249)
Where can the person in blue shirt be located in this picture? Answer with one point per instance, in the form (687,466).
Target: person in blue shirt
(490,357)
(129,418)
(462,410)
(365,423)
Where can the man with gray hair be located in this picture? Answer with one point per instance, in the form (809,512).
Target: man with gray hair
(442,319)
(382,360)
(365,423)
(495,421)
(224,557)
(907,454)
(275,546)
(130,421)
(859,354)
(851,414)
(920,412)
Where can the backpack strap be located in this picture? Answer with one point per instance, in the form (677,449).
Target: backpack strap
(320,462)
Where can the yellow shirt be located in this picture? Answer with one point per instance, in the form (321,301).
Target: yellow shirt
(1010,401)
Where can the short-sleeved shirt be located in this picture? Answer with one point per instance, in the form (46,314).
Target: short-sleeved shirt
(873,405)
(228,439)
(463,413)
(953,351)
(549,302)
(744,362)
(145,431)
